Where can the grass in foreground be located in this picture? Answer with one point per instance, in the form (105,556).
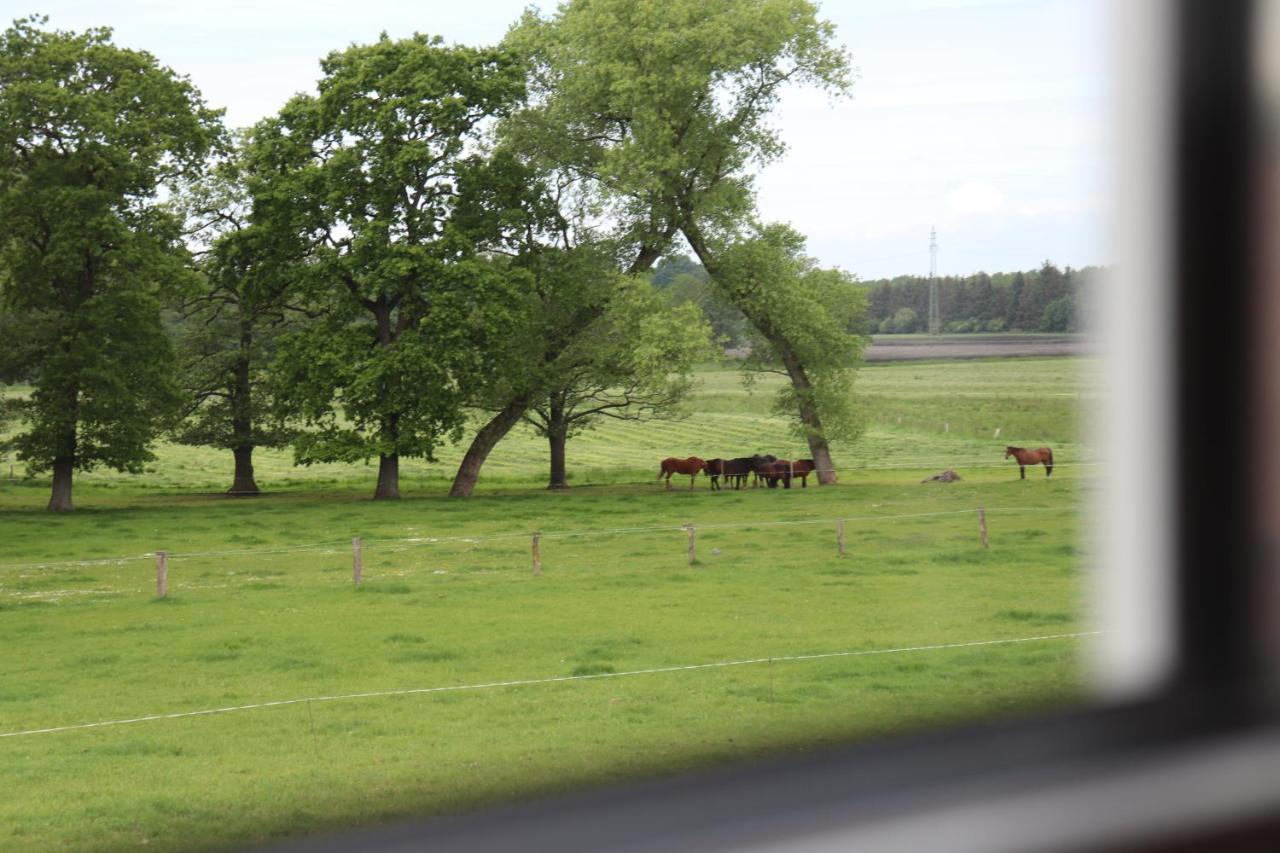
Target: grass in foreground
(88,643)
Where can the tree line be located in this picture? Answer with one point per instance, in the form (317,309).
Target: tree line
(1048,299)
(437,244)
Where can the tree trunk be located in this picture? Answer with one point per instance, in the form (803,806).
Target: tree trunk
(243,484)
(818,447)
(60,499)
(464,482)
(388,478)
(558,436)
(242,413)
(64,460)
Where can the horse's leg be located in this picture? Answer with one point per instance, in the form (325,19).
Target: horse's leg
(669,473)
(804,481)
(1023,469)
(692,477)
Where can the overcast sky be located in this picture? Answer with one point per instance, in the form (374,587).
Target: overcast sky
(985,118)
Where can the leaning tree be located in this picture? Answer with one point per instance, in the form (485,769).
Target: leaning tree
(89,134)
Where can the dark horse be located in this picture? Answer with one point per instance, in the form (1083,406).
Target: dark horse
(756,462)
(731,469)
(772,472)
(690,466)
(1031,457)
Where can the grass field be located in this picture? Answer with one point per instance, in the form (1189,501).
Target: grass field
(262,609)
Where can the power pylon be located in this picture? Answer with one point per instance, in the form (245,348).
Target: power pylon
(935,309)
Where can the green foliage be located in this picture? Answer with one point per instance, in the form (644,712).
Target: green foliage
(365,178)
(987,303)
(89,132)
(662,106)
(1059,315)
(634,362)
(904,320)
(802,315)
(227,327)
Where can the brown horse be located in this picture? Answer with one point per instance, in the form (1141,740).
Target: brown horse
(1031,457)
(690,466)
(802,468)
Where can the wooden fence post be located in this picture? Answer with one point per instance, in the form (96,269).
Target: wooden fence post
(357,561)
(162,574)
(982,525)
(692,557)
(840,535)
(537,556)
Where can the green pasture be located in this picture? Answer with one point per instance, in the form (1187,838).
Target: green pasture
(262,608)
(918,415)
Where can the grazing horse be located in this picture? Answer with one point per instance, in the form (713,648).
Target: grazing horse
(690,466)
(772,472)
(1031,457)
(756,462)
(802,468)
(731,469)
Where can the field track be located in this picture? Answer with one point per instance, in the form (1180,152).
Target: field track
(922,347)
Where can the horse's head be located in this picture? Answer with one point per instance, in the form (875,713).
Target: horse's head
(1010,451)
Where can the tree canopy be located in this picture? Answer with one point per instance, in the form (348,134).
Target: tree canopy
(89,133)
(365,177)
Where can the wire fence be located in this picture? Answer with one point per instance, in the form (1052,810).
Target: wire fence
(336,545)
(528,682)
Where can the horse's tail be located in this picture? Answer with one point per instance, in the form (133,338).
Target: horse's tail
(1048,462)
(662,469)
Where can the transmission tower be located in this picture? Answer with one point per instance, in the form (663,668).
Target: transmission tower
(935,310)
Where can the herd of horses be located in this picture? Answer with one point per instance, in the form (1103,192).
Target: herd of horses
(766,469)
(771,470)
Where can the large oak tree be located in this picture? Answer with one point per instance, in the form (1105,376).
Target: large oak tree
(365,177)
(89,133)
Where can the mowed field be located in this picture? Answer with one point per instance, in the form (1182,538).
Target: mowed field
(397,698)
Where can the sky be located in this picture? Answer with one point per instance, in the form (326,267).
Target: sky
(987,119)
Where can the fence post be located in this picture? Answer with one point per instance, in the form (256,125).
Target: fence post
(692,557)
(537,556)
(357,561)
(840,535)
(982,525)
(162,574)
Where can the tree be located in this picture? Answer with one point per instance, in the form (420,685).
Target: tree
(366,177)
(229,326)
(802,315)
(89,133)
(634,363)
(1059,315)
(905,321)
(652,115)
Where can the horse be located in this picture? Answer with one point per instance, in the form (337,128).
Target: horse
(731,469)
(1031,457)
(690,466)
(802,468)
(772,472)
(756,462)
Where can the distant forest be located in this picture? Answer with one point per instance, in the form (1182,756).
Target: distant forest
(1044,300)
(1047,299)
